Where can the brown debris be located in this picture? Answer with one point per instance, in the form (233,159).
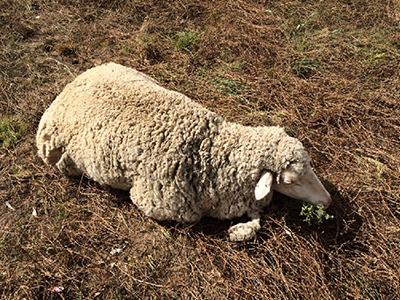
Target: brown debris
(328,71)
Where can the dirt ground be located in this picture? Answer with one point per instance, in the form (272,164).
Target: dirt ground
(327,71)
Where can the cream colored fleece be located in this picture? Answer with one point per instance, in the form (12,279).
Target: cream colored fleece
(179,160)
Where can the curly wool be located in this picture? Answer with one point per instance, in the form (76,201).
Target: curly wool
(179,160)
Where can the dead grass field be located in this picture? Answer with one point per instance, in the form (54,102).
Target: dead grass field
(328,71)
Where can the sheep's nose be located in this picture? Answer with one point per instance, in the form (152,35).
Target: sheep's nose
(327,202)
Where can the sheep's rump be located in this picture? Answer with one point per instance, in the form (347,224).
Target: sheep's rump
(113,123)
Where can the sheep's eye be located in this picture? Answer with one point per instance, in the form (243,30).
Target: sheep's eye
(287,181)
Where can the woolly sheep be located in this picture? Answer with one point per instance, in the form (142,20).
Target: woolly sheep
(179,160)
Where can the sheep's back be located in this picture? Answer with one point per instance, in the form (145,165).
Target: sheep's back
(113,123)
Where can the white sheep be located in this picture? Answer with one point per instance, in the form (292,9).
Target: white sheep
(179,160)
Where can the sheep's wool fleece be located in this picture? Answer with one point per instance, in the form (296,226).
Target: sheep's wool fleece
(179,160)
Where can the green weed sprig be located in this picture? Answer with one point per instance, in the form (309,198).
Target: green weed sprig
(314,214)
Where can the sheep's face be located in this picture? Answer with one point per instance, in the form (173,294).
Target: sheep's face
(306,186)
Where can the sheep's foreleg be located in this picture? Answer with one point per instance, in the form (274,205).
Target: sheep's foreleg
(244,231)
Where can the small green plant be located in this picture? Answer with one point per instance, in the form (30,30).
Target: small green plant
(186,40)
(63,212)
(15,170)
(12,129)
(314,214)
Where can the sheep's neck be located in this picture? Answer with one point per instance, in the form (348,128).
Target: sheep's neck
(232,150)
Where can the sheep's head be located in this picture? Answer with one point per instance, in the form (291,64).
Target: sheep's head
(303,185)
(288,169)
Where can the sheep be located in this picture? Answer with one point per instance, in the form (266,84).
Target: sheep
(179,161)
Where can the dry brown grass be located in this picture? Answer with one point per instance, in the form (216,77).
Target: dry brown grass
(326,70)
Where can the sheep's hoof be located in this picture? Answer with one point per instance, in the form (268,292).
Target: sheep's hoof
(244,231)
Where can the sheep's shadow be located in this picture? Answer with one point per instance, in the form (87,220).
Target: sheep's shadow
(342,229)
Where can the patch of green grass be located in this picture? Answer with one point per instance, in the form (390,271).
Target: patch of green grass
(376,47)
(79,295)
(16,170)
(103,44)
(375,55)
(314,214)
(305,67)
(303,24)
(229,86)
(12,130)
(185,41)
(125,48)
(63,212)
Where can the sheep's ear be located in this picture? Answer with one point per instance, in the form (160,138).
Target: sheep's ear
(264,185)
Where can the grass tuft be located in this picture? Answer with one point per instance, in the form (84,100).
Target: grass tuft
(12,130)
(304,23)
(228,86)
(185,41)
(305,67)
